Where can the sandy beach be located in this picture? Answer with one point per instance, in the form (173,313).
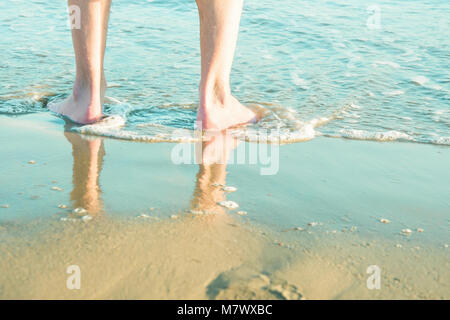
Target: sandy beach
(311,231)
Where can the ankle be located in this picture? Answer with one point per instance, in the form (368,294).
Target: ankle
(83,90)
(88,100)
(214,92)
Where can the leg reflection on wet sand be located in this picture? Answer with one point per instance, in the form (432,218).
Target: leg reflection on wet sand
(88,153)
(190,257)
(215,148)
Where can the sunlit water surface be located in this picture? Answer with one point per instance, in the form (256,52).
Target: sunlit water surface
(318,68)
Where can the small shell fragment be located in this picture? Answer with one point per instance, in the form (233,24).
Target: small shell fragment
(229,189)
(86,218)
(312,224)
(31,162)
(382,220)
(143,216)
(174,216)
(5,206)
(62,206)
(69,219)
(420,230)
(406,232)
(228,204)
(79,211)
(56,188)
(398,245)
(298,229)
(242,213)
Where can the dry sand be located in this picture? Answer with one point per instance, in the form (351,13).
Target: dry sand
(209,257)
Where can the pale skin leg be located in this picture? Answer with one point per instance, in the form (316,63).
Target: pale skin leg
(219,27)
(84,105)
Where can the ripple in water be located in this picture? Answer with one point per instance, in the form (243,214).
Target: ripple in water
(315,67)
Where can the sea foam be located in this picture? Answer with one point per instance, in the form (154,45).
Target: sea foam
(377,136)
(420,80)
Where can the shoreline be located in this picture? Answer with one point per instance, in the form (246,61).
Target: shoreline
(141,241)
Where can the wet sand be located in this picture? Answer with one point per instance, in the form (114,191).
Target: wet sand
(137,236)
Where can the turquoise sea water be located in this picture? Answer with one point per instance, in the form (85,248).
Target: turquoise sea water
(318,67)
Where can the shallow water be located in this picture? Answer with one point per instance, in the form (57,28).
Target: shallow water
(317,67)
(131,219)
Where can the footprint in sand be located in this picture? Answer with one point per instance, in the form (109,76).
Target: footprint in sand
(244,283)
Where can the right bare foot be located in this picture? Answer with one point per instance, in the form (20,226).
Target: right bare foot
(223,113)
(83,106)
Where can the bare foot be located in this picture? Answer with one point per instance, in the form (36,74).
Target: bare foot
(220,114)
(83,106)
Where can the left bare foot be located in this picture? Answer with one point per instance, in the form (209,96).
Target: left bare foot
(84,105)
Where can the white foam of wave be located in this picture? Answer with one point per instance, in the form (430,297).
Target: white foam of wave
(442,140)
(354,106)
(376,136)
(394,93)
(300,82)
(112,127)
(420,80)
(442,116)
(139,137)
(436,87)
(284,127)
(114,85)
(425,82)
(112,122)
(112,100)
(388,63)
(275,129)
(279,136)
(280,125)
